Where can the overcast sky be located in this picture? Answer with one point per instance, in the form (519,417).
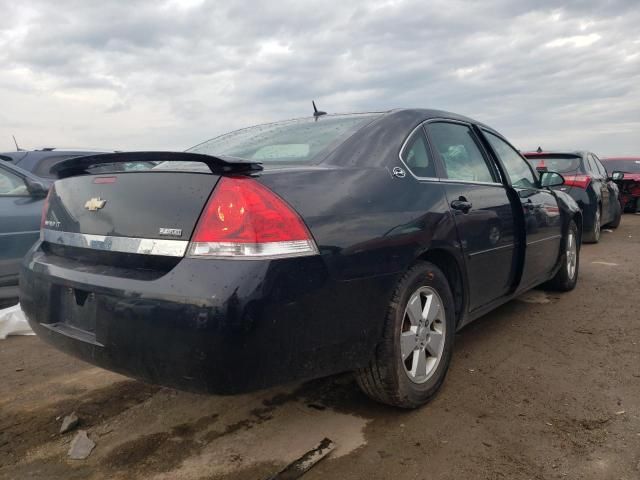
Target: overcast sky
(152,75)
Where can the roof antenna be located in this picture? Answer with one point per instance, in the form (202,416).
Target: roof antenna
(539,150)
(16,142)
(316,113)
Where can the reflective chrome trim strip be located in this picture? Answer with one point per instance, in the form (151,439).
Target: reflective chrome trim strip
(546,239)
(144,246)
(489,250)
(30,232)
(471,182)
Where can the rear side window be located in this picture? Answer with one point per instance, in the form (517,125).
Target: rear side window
(297,141)
(417,157)
(591,165)
(599,169)
(461,155)
(517,167)
(11,185)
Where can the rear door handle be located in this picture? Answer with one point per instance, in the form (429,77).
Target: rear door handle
(461,204)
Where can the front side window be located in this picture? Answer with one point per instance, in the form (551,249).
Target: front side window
(11,185)
(517,167)
(461,155)
(416,156)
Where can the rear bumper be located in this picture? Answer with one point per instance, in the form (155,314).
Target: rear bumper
(215,326)
(9,288)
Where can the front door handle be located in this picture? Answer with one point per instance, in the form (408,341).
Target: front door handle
(532,206)
(461,204)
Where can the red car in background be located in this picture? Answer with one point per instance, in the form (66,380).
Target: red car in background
(630,184)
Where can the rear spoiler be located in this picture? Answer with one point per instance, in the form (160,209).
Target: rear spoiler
(218,164)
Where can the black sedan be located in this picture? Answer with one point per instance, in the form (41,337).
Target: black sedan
(298,249)
(588,183)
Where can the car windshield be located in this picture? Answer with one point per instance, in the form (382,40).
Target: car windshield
(564,164)
(631,165)
(292,141)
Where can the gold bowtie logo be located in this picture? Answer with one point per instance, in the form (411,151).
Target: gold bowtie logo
(95,204)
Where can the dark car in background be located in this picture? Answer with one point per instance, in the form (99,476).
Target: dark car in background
(630,184)
(22,196)
(22,174)
(295,250)
(40,162)
(588,183)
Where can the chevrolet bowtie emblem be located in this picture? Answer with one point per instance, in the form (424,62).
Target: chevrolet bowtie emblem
(95,204)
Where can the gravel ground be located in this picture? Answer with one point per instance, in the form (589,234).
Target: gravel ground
(547,386)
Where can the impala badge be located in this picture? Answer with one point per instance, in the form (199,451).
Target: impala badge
(172,232)
(95,204)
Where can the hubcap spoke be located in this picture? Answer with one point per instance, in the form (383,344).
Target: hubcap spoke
(414,310)
(419,365)
(431,309)
(434,345)
(407,344)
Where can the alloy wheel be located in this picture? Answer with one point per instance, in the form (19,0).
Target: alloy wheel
(571,255)
(423,334)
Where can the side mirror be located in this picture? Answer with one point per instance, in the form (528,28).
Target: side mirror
(551,179)
(36,189)
(616,175)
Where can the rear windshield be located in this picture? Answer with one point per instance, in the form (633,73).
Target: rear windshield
(556,164)
(628,166)
(297,141)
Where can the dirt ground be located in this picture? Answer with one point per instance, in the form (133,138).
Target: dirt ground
(547,386)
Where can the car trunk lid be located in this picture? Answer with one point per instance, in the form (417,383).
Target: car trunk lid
(140,212)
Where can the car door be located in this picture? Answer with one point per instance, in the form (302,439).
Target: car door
(542,221)
(610,191)
(483,214)
(599,183)
(19,223)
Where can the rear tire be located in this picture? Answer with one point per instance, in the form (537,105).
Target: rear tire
(567,277)
(411,361)
(616,220)
(593,235)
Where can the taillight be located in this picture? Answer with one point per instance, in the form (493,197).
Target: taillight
(243,218)
(580,181)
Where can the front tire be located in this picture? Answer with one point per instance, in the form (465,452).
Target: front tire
(567,277)
(412,359)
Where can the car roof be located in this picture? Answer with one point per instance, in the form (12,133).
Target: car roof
(30,160)
(627,159)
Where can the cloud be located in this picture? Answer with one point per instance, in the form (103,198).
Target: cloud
(142,74)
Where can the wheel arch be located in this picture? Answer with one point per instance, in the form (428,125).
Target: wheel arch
(577,217)
(450,266)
